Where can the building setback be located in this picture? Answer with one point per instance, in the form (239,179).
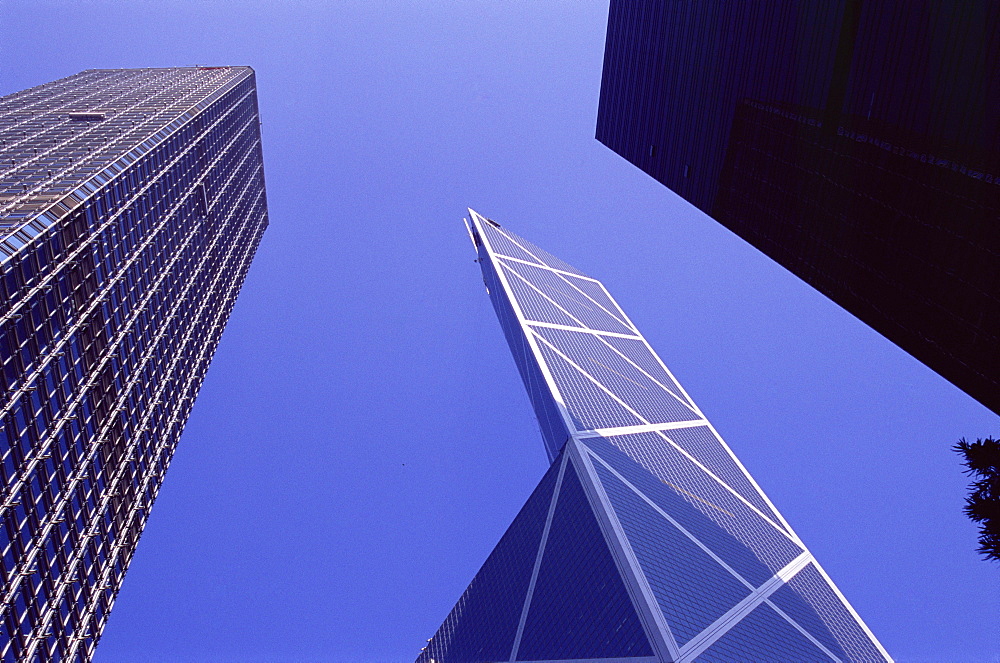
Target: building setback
(856,143)
(131,204)
(646,540)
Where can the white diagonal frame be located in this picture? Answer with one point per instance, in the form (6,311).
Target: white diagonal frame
(582,330)
(538,559)
(613,314)
(680,449)
(539,291)
(672,394)
(758,595)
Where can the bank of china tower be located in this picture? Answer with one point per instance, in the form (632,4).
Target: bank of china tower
(646,540)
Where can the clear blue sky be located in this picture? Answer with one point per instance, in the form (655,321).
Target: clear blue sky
(362,439)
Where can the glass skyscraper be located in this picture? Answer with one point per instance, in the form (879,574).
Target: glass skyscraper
(856,143)
(131,205)
(646,540)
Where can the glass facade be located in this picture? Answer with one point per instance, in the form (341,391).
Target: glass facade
(856,143)
(131,205)
(646,540)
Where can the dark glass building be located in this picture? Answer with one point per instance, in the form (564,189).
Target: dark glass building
(856,142)
(131,204)
(646,540)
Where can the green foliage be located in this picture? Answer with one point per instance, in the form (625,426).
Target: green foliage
(982,461)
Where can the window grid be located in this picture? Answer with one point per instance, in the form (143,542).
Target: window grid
(111,312)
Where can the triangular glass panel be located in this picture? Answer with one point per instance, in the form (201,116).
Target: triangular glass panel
(702,443)
(738,536)
(541,254)
(766,539)
(764,635)
(811,602)
(639,352)
(595,291)
(648,398)
(691,588)
(502,245)
(533,305)
(588,405)
(483,624)
(580,608)
(568,298)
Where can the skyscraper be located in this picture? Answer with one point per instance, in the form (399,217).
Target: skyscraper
(646,540)
(856,143)
(131,204)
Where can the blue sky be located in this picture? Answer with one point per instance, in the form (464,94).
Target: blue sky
(363,440)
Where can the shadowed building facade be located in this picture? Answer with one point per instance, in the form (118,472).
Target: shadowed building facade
(131,205)
(646,540)
(857,143)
